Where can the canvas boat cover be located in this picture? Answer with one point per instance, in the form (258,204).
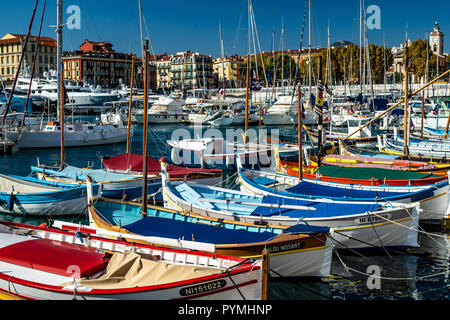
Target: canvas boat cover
(97,175)
(133,162)
(130,270)
(53,256)
(175,229)
(373,173)
(323,209)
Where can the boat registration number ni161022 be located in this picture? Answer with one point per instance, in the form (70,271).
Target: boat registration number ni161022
(373,218)
(210,286)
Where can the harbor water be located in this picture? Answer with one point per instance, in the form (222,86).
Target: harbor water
(421,274)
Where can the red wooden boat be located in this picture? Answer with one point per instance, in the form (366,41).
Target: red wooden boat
(364,176)
(133,164)
(57,264)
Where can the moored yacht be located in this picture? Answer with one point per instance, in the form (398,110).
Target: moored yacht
(165,110)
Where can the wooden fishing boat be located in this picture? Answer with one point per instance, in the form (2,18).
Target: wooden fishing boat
(349,221)
(419,147)
(132,164)
(54,264)
(30,196)
(364,176)
(334,137)
(373,162)
(433,199)
(220,153)
(112,185)
(440,162)
(298,251)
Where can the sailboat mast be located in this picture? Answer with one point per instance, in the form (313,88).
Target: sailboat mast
(62,120)
(300,147)
(329,58)
(405,117)
(360,46)
(309,50)
(223,60)
(60,74)
(384,64)
(140,26)
(274,68)
(246,99)
(145,135)
(130,103)
(428,58)
(247,89)
(282,56)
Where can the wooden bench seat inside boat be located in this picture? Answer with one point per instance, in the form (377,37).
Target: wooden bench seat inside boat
(54,257)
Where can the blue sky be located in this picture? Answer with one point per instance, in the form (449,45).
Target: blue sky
(180,25)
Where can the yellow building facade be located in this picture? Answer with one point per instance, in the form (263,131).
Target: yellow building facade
(11,50)
(227,69)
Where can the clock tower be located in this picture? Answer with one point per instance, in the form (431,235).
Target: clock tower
(437,41)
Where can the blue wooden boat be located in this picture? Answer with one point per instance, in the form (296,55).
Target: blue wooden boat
(433,199)
(112,185)
(298,251)
(354,224)
(30,196)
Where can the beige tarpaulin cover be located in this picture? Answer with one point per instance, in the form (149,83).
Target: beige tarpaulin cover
(134,270)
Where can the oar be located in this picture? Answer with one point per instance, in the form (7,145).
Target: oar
(267,205)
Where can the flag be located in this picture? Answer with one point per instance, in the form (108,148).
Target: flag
(255,83)
(328,90)
(312,100)
(66,97)
(436,108)
(319,99)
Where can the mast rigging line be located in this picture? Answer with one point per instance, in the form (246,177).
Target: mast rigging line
(299,52)
(257,40)
(25,43)
(34,63)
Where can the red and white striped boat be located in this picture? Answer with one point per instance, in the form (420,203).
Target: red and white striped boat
(55,264)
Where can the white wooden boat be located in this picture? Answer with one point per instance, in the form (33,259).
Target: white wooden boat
(54,264)
(220,153)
